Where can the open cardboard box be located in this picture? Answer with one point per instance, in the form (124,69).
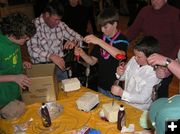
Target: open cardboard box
(44,87)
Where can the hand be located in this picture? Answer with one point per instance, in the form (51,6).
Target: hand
(92,39)
(156,59)
(78,51)
(120,69)
(22,80)
(56,59)
(162,72)
(27,65)
(70,45)
(116,90)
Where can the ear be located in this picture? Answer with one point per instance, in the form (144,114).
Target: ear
(11,37)
(47,14)
(115,24)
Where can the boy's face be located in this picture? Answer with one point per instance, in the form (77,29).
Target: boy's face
(109,29)
(140,57)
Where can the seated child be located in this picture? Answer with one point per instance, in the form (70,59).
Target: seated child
(139,77)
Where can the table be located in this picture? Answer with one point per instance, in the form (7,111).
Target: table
(71,118)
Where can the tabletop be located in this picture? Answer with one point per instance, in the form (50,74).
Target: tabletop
(71,118)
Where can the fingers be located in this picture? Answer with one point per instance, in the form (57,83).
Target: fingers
(115,89)
(61,64)
(25,82)
(69,45)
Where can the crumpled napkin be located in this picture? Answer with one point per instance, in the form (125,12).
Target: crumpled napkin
(128,129)
(13,109)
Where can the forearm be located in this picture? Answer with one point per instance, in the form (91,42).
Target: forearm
(174,67)
(110,49)
(89,59)
(7,78)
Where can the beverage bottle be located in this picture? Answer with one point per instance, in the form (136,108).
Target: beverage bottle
(46,120)
(121,117)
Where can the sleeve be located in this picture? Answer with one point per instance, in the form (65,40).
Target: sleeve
(35,49)
(70,34)
(123,44)
(135,28)
(143,88)
(176,32)
(96,51)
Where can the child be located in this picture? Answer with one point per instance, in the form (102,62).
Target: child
(112,43)
(138,75)
(16,29)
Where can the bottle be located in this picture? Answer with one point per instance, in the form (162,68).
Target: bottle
(46,120)
(121,117)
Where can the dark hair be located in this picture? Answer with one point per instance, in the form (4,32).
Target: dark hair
(108,15)
(18,25)
(54,7)
(148,45)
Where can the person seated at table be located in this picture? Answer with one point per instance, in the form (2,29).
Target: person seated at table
(47,45)
(172,65)
(16,29)
(113,42)
(139,77)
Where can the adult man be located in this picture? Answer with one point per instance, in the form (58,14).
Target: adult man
(161,21)
(47,44)
(16,29)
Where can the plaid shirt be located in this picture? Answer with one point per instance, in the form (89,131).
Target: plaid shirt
(49,41)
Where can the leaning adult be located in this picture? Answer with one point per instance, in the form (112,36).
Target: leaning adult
(152,20)
(47,44)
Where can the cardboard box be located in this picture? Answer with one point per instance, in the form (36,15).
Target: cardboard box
(44,87)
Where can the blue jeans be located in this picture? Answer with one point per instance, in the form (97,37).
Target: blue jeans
(61,75)
(108,93)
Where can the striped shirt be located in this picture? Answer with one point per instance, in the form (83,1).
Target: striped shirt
(49,41)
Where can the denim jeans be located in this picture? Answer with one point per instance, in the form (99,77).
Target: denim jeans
(108,93)
(61,75)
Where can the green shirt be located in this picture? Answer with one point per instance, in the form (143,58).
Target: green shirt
(10,64)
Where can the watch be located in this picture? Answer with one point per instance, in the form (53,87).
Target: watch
(167,62)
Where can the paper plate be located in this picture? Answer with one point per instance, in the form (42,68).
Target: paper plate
(54,109)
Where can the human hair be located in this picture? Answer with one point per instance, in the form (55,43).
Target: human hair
(18,25)
(55,7)
(148,45)
(108,15)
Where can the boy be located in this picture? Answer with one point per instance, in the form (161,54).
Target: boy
(138,75)
(106,49)
(16,29)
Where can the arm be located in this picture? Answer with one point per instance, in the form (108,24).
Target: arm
(39,53)
(157,59)
(133,31)
(88,59)
(38,49)
(21,79)
(110,49)
(139,90)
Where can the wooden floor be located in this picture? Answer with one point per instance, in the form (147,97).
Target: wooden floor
(174,86)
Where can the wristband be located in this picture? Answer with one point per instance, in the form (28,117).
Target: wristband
(167,62)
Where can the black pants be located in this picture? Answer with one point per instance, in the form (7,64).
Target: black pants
(163,89)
